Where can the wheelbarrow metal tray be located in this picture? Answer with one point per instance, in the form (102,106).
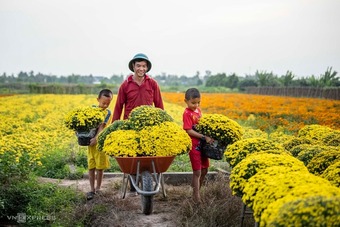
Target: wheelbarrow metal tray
(129,164)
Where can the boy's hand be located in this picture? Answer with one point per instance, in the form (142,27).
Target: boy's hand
(209,139)
(93,141)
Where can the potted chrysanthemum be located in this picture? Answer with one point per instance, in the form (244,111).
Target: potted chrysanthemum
(222,129)
(84,121)
(149,131)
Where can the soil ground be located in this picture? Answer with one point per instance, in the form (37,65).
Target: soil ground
(163,214)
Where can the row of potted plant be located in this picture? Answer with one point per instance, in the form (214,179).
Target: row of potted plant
(278,186)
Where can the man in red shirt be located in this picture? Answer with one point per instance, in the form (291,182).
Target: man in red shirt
(138,89)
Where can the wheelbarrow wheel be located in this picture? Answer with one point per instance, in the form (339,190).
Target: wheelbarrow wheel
(147,200)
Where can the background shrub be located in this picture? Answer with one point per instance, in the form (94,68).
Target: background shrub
(308,152)
(253,163)
(332,173)
(322,161)
(237,151)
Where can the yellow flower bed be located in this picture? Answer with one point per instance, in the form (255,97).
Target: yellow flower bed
(32,127)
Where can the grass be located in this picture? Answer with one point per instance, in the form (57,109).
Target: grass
(219,206)
(41,203)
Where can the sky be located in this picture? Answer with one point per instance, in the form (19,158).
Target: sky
(180,37)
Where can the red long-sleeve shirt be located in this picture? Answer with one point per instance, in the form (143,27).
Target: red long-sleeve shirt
(131,95)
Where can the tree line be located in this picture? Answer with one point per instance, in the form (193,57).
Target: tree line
(232,81)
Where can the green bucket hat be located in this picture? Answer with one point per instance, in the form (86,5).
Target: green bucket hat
(141,57)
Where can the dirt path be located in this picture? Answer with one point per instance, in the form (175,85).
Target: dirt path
(129,208)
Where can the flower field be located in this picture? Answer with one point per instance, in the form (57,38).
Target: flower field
(268,112)
(32,126)
(34,136)
(287,143)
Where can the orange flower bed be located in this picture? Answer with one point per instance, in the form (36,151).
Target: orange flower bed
(268,111)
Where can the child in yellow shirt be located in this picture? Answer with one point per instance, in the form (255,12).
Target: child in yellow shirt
(98,161)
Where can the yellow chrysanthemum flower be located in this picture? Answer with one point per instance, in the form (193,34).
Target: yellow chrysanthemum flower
(83,119)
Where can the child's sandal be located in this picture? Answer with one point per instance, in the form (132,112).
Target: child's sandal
(90,195)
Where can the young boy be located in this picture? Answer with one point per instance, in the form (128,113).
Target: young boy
(199,164)
(98,161)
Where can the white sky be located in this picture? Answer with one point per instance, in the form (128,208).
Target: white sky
(180,37)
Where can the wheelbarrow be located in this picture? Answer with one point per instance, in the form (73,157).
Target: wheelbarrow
(146,175)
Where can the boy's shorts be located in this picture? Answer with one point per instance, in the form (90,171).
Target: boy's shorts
(197,161)
(97,159)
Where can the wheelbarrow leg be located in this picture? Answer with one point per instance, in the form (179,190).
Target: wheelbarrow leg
(162,184)
(125,184)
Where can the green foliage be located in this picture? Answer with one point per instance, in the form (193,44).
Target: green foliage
(36,199)
(329,78)
(10,168)
(79,158)
(266,79)
(114,166)
(61,164)
(53,165)
(287,79)
(247,82)
(219,79)
(74,172)
(201,88)
(222,80)
(181,163)
(84,84)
